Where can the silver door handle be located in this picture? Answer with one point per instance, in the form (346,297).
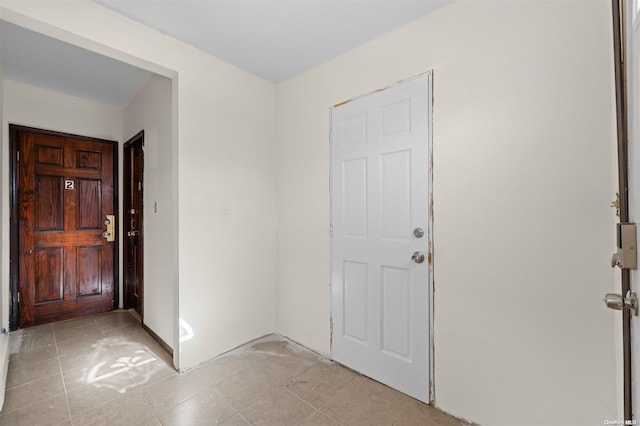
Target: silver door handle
(616,301)
(418,257)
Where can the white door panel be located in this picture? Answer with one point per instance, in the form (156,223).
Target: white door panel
(380,194)
(633,98)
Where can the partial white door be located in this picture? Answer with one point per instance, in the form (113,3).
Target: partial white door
(632,29)
(380,192)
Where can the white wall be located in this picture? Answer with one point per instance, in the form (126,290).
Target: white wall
(4,312)
(224,145)
(523,230)
(150,111)
(32,106)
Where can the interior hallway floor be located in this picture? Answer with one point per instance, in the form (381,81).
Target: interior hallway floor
(106,370)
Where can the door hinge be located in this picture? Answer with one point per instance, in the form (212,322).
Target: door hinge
(331,230)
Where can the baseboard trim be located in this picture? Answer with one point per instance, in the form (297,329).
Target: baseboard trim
(158,339)
(4,365)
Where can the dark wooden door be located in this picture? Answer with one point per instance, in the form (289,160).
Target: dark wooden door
(133,217)
(65,190)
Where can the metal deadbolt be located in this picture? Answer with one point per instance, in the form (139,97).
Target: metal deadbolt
(110,233)
(418,232)
(418,257)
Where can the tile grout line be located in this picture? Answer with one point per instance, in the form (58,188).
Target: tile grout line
(64,384)
(104,333)
(227,401)
(244,418)
(317,410)
(88,409)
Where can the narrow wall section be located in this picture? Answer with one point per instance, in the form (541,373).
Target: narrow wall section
(151,111)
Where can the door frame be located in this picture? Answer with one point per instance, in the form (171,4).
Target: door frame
(126,179)
(430,256)
(14,217)
(619,50)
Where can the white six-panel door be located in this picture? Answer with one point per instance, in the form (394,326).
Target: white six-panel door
(380,192)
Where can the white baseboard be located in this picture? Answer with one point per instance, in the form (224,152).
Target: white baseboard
(4,365)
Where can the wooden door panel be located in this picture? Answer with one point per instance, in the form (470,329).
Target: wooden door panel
(49,203)
(49,155)
(66,189)
(88,160)
(49,274)
(88,270)
(89,199)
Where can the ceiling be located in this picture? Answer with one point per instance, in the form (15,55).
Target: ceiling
(275,39)
(42,61)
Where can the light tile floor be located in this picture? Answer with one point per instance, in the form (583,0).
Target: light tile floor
(106,370)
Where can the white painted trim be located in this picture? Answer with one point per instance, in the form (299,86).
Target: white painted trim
(432,293)
(4,365)
(76,40)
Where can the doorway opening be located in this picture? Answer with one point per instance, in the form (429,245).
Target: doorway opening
(63,249)
(133,224)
